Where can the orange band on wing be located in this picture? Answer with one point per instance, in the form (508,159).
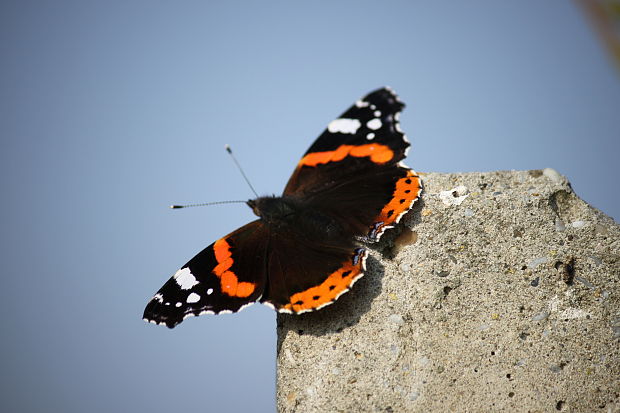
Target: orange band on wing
(375,151)
(337,283)
(406,191)
(229,282)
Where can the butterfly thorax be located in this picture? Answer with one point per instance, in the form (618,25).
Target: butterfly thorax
(290,214)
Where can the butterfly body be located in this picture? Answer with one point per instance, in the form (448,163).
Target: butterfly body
(306,249)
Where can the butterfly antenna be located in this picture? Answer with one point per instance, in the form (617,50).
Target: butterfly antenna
(205,204)
(227,147)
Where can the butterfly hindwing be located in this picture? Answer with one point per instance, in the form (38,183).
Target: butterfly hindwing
(317,278)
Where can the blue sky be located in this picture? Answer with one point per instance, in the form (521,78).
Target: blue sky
(113,110)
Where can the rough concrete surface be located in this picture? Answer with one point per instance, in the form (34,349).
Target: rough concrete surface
(500,292)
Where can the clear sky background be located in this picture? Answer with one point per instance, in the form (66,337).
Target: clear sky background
(112,110)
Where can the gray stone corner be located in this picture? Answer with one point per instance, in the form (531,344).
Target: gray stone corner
(500,291)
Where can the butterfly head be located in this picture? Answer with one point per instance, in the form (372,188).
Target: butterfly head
(272,208)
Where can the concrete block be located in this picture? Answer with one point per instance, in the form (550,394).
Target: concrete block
(500,291)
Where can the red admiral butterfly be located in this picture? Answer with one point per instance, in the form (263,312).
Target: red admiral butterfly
(305,249)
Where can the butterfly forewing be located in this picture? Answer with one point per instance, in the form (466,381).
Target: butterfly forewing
(354,171)
(224,277)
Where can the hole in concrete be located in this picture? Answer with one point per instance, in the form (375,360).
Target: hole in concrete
(511,394)
(566,270)
(560,405)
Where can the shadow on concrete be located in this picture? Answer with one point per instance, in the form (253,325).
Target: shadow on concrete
(343,313)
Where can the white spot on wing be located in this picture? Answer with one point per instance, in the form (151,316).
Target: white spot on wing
(344,125)
(210,291)
(158,297)
(377,113)
(397,123)
(179,304)
(370,136)
(374,124)
(185,279)
(193,298)
(361,104)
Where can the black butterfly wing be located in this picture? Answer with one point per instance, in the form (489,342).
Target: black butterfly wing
(353,170)
(224,277)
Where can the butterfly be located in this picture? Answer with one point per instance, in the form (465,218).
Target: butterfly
(306,248)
